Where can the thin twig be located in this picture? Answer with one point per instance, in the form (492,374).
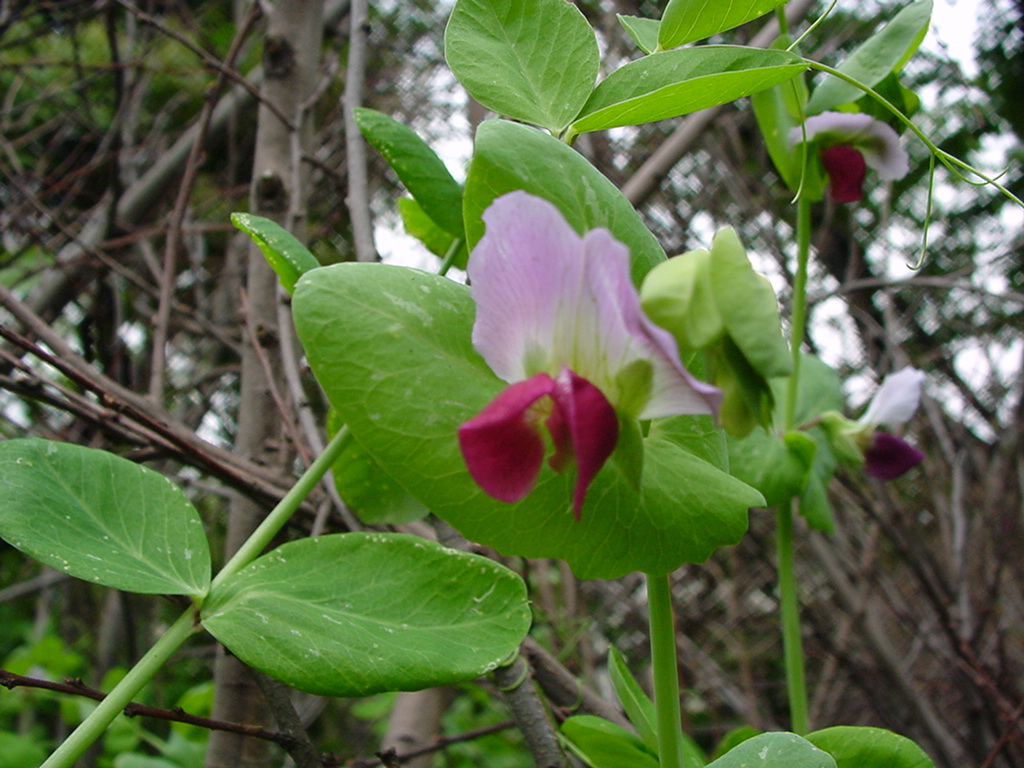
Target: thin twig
(161,325)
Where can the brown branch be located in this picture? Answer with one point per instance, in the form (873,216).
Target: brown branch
(75,687)
(224,68)
(161,326)
(243,475)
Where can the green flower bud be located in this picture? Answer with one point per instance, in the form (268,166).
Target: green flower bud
(677,295)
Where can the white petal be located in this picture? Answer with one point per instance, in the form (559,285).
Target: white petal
(896,400)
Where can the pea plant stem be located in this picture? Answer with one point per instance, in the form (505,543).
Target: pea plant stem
(789,604)
(122,694)
(666,672)
(789,608)
(97,721)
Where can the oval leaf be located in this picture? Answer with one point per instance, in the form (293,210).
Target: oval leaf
(673,83)
(360,613)
(418,167)
(687,20)
(856,746)
(509,157)
(884,52)
(288,257)
(775,750)
(603,744)
(531,60)
(391,347)
(101,518)
(643,31)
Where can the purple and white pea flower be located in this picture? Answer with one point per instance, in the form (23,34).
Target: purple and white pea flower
(862,443)
(852,142)
(885,455)
(558,317)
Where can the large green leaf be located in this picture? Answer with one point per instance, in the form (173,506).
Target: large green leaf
(863,747)
(391,346)
(775,750)
(370,492)
(531,60)
(884,52)
(510,157)
(687,20)
(418,167)
(359,613)
(101,518)
(673,83)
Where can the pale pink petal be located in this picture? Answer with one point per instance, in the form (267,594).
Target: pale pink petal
(592,426)
(846,171)
(502,445)
(547,299)
(896,399)
(888,457)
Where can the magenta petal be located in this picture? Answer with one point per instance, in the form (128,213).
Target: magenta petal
(593,429)
(888,457)
(846,171)
(503,444)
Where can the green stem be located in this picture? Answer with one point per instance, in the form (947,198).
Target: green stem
(793,653)
(114,703)
(798,319)
(780,16)
(100,718)
(666,671)
(279,515)
(449,257)
(792,644)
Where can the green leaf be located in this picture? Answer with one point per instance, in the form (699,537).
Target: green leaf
(418,224)
(775,750)
(687,20)
(884,52)
(370,492)
(101,518)
(288,257)
(392,348)
(510,157)
(643,31)
(863,747)
(696,435)
(734,738)
(673,83)
(752,319)
(778,467)
(603,744)
(636,704)
(360,613)
(531,60)
(418,167)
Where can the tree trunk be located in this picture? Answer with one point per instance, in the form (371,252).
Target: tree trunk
(290,58)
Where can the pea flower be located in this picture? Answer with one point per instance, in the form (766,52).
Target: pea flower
(558,318)
(850,143)
(883,455)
